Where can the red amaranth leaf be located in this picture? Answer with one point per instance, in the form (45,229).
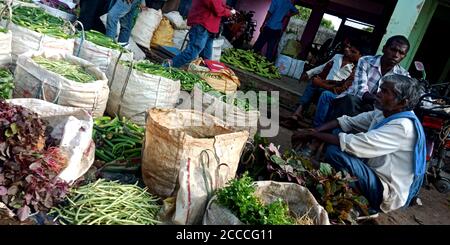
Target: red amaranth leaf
(23,213)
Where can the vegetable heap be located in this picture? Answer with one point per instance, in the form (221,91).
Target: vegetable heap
(66,69)
(187,79)
(118,143)
(38,20)
(239,197)
(110,203)
(28,169)
(6,83)
(331,189)
(100,39)
(250,61)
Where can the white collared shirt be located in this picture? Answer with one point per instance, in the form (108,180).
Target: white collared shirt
(337,73)
(389,150)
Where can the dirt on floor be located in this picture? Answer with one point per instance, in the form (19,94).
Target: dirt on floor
(435,208)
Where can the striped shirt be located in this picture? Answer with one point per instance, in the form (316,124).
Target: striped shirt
(368,76)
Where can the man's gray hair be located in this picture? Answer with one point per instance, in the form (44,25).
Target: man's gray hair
(406,88)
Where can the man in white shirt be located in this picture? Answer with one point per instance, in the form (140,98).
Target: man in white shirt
(336,73)
(384,149)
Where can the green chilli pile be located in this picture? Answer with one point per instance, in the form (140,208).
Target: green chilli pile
(66,69)
(38,20)
(249,61)
(6,83)
(186,79)
(118,144)
(108,203)
(102,40)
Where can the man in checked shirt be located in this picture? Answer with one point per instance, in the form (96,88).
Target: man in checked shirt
(360,97)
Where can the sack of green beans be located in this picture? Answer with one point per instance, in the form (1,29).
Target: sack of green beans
(5,46)
(62,79)
(235,117)
(135,90)
(100,50)
(35,30)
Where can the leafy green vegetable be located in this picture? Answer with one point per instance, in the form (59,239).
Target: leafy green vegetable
(6,84)
(239,196)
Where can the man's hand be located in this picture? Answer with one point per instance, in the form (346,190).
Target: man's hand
(143,7)
(368,98)
(301,136)
(304,77)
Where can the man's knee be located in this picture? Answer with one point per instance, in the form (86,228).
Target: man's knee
(333,154)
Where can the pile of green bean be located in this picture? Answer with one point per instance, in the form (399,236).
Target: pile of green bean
(118,143)
(100,39)
(187,79)
(66,69)
(38,20)
(6,83)
(3,30)
(108,203)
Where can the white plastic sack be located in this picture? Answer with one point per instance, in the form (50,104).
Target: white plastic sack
(226,44)
(24,40)
(178,38)
(299,200)
(234,117)
(176,20)
(146,24)
(58,13)
(296,69)
(98,55)
(32,81)
(134,92)
(74,127)
(138,54)
(5,48)
(289,66)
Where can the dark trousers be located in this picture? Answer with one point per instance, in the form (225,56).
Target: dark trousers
(90,12)
(349,105)
(271,37)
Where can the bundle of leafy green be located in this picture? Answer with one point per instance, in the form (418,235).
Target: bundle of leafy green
(6,83)
(239,197)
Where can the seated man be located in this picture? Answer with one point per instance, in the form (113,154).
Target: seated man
(385,148)
(336,75)
(361,95)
